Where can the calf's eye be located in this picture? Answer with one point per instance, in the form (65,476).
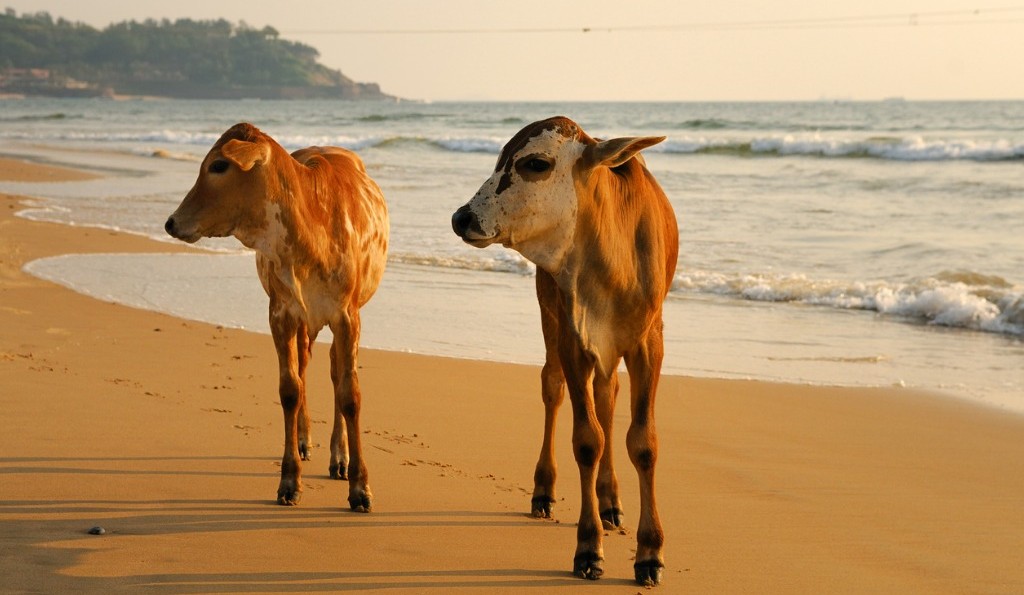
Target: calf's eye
(538,166)
(218,167)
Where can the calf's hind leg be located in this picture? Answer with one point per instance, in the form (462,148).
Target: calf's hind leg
(338,467)
(304,351)
(606,389)
(348,400)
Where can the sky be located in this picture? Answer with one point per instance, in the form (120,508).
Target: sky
(634,50)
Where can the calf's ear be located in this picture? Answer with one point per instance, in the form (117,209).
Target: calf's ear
(245,154)
(614,152)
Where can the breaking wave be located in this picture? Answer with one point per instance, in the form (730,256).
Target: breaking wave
(894,148)
(40,117)
(876,147)
(955,299)
(499,262)
(952,298)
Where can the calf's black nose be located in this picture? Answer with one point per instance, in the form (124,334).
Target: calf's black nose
(169,227)
(462,220)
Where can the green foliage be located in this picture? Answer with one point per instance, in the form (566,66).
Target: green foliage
(187,51)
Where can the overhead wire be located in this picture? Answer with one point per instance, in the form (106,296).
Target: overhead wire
(901,19)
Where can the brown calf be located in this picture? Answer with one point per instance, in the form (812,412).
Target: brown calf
(604,239)
(319,226)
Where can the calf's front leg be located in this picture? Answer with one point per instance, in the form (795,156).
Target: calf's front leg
(553,393)
(588,446)
(644,366)
(292,393)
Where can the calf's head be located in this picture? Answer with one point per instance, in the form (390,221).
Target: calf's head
(230,194)
(530,202)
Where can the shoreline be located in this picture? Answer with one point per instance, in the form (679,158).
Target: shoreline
(707,339)
(167,433)
(781,333)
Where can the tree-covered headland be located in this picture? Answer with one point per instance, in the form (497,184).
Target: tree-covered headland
(40,55)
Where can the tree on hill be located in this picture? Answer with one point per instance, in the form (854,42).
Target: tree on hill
(195,56)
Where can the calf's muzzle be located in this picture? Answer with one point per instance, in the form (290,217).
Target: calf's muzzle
(464,222)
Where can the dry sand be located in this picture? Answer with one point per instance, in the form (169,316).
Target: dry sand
(168,434)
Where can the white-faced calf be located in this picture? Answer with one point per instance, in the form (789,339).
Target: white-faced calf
(319,226)
(604,238)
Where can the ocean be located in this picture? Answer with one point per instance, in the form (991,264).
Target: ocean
(850,243)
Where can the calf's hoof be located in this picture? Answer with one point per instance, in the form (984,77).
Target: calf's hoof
(541,506)
(288,496)
(303,450)
(359,501)
(588,565)
(648,573)
(338,471)
(611,518)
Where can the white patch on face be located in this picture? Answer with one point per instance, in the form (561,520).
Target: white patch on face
(534,217)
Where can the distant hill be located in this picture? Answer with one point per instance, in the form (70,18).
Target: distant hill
(180,59)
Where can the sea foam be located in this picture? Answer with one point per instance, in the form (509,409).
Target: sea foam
(995,306)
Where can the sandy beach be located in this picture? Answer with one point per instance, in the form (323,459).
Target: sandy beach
(167,434)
